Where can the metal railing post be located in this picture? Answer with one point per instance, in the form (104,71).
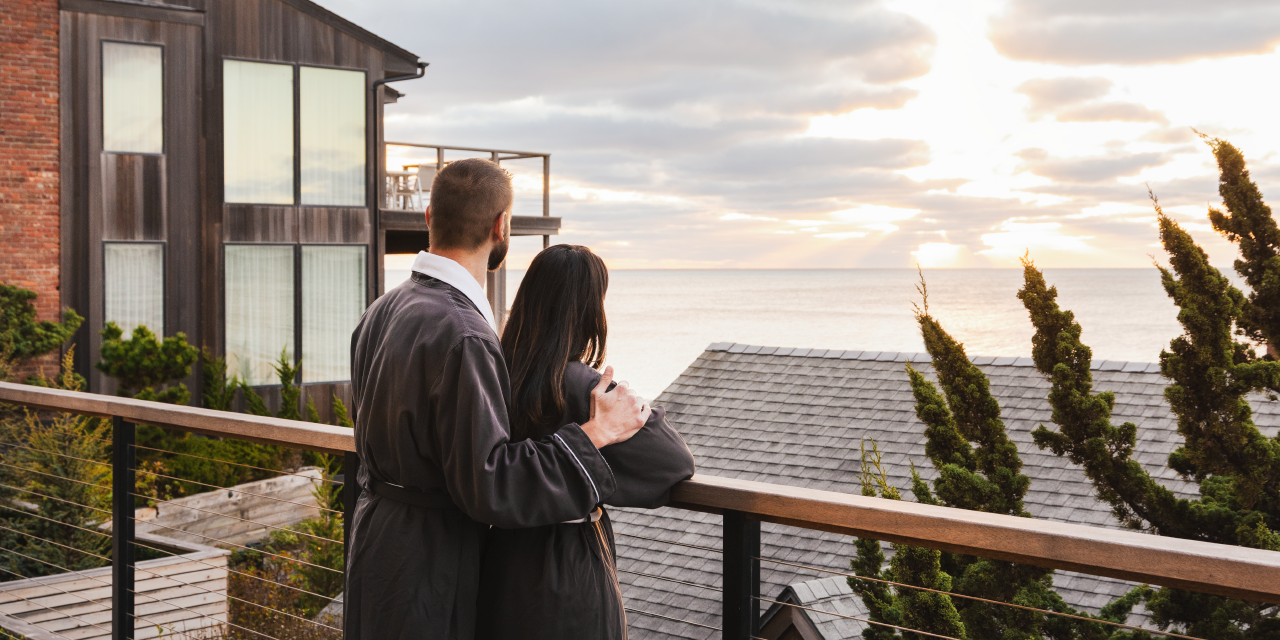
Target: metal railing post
(741,618)
(123,486)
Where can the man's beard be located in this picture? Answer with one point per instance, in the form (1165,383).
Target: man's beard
(499,253)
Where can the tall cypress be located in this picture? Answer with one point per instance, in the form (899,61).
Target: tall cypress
(978,469)
(1236,467)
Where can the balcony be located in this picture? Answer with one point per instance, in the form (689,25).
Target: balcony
(737,508)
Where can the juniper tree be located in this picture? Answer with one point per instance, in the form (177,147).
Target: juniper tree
(1236,467)
(22,336)
(979,469)
(1248,223)
(145,366)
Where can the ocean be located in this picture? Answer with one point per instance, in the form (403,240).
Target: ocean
(659,321)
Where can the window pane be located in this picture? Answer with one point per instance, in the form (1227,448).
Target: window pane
(132,98)
(257,103)
(133,285)
(259,293)
(333,297)
(333,125)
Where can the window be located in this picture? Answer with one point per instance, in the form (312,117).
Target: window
(133,285)
(260,125)
(132,98)
(259,309)
(332,128)
(257,103)
(333,297)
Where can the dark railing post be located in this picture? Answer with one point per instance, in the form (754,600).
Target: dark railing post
(122,489)
(741,619)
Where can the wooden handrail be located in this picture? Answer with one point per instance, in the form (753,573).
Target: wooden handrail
(277,431)
(1237,572)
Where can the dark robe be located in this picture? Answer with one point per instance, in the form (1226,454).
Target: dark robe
(430,392)
(560,582)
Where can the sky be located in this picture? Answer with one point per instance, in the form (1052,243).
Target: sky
(850,133)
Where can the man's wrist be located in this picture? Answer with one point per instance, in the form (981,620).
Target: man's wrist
(595,433)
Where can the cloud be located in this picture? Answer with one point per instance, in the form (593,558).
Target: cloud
(1075,99)
(1110,112)
(1088,169)
(1051,94)
(1134,32)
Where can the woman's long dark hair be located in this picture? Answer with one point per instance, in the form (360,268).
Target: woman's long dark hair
(558,316)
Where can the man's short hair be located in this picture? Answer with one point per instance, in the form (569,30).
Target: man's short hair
(466,197)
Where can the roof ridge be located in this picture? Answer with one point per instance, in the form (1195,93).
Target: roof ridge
(903,356)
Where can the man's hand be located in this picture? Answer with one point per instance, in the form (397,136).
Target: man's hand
(616,414)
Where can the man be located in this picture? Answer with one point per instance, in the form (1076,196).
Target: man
(437,467)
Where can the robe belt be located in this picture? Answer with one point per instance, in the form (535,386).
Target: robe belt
(440,500)
(429,500)
(594,516)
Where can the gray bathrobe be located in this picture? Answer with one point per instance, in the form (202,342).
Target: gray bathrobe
(430,392)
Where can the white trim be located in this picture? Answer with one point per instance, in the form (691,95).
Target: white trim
(454,275)
(580,465)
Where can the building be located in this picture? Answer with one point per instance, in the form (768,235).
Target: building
(210,167)
(798,417)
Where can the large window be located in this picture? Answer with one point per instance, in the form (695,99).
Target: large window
(133,285)
(132,98)
(332,123)
(333,297)
(257,111)
(259,309)
(260,125)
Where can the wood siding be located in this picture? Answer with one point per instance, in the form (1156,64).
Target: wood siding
(176,197)
(116,196)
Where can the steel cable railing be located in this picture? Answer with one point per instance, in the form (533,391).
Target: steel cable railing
(178,589)
(272,570)
(951,594)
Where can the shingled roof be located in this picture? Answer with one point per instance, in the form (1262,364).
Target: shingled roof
(797,416)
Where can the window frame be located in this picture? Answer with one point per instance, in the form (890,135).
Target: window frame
(164,281)
(164,98)
(297,295)
(297,135)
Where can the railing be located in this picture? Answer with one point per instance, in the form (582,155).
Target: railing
(406,188)
(1235,572)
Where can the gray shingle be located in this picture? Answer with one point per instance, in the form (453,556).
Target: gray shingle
(798,421)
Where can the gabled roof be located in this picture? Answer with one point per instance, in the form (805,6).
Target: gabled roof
(797,417)
(409,61)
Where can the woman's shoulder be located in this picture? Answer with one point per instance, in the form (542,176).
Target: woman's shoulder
(579,380)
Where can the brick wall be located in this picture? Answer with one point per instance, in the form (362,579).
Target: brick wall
(29,246)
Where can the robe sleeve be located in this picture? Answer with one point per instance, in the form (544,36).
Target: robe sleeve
(510,485)
(649,464)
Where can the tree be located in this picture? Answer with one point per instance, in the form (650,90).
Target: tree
(1248,223)
(145,366)
(22,336)
(978,469)
(1236,467)
(55,489)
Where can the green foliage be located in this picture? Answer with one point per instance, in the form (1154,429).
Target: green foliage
(1248,223)
(219,390)
(21,335)
(55,465)
(901,606)
(145,366)
(978,469)
(1236,467)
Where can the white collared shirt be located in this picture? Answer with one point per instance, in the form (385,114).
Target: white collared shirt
(453,274)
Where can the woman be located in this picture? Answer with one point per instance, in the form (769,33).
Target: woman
(560,582)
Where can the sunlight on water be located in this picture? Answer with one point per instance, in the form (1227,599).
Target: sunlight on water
(659,321)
